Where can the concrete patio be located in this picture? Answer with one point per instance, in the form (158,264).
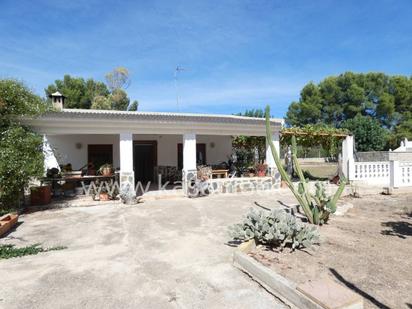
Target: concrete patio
(158,254)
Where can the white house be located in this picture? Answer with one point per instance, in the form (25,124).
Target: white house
(138,142)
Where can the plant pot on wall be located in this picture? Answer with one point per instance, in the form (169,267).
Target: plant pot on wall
(261,173)
(40,195)
(104,196)
(261,169)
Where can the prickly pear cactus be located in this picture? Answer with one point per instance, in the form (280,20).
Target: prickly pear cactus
(276,229)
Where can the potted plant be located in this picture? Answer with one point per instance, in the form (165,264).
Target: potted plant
(261,169)
(106,170)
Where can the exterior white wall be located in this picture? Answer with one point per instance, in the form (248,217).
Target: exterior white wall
(218,148)
(65,150)
(222,147)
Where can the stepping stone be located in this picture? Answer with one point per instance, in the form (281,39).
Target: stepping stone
(331,295)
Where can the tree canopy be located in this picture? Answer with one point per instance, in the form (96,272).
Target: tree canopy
(369,135)
(78,91)
(118,78)
(387,99)
(86,94)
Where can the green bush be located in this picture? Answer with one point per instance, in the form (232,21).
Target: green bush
(275,229)
(21,155)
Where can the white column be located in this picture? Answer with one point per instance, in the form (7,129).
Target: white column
(189,151)
(394,174)
(270,160)
(189,171)
(351,169)
(126,159)
(347,155)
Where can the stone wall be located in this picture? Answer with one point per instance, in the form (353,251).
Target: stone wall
(400,156)
(243,184)
(379,156)
(372,156)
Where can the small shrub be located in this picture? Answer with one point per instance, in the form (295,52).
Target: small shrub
(10,251)
(275,229)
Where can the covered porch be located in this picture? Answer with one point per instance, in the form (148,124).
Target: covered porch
(151,147)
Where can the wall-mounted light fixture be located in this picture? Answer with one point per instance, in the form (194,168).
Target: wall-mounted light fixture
(79,145)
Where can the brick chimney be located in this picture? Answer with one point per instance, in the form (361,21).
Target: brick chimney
(57,100)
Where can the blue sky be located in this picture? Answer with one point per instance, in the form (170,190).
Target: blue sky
(238,54)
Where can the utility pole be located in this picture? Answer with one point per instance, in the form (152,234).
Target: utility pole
(177,70)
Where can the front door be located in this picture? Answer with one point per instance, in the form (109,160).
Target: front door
(145,160)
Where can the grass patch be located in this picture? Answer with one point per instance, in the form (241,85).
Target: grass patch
(10,251)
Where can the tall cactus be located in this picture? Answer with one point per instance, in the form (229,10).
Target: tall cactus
(317,207)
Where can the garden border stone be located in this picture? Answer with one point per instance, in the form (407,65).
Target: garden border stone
(284,289)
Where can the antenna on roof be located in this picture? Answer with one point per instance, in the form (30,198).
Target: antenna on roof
(177,70)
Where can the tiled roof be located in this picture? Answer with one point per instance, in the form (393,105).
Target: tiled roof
(155,116)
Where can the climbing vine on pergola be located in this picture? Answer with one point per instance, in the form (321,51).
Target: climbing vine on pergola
(315,135)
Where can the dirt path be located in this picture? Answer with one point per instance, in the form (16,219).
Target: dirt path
(369,250)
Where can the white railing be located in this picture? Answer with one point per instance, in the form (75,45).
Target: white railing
(405,173)
(371,172)
(387,173)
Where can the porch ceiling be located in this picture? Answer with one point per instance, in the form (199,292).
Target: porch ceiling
(76,121)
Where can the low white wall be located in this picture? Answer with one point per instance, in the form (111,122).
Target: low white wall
(218,148)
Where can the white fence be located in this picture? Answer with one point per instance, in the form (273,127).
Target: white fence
(387,173)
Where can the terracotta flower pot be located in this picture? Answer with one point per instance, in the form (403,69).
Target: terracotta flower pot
(104,196)
(261,173)
(40,195)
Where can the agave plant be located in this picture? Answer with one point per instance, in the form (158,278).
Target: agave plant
(316,207)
